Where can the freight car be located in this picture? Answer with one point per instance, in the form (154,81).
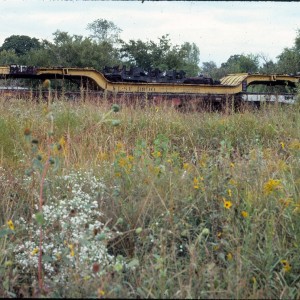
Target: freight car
(172,87)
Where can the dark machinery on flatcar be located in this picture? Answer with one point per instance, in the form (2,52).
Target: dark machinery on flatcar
(136,74)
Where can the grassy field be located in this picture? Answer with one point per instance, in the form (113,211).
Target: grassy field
(148,203)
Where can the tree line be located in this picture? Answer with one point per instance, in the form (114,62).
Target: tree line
(103,47)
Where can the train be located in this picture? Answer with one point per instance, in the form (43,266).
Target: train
(117,84)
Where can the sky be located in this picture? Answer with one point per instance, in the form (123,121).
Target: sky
(219,28)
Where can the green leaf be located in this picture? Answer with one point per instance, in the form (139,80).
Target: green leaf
(139,230)
(134,263)
(118,267)
(101,236)
(40,218)
(4,232)
(47,258)
(115,122)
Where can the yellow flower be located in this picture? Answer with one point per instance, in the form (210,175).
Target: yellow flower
(282,145)
(232,182)
(101,292)
(119,146)
(229,192)
(71,247)
(11,225)
(196,183)
(244,214)
(102,156)
(186,166)
(253,280)
(271,185)
(62,141)
(229,256)
(286,266)
(227,204)
(34,251)
(122,162)
(231,165)
(156,154)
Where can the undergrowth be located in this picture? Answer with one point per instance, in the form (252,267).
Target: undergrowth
(149,203)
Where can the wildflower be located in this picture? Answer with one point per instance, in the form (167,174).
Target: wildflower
(216,247)
(96,267)
(232,182)
(186,166)
(101,293)
(71,247)
(244,214)
(27,131)
(62,142)
(11,225)
(253,280)
(231,165)
(34,251)
(196,183)
(229,256)
(102,156)
(271,185)
(156,154)
(229,192)
(286,266)
(122,162)
(282,145)
(227,204)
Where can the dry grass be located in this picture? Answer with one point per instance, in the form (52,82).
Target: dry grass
(195,205)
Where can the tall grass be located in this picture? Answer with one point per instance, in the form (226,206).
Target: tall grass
(181,205)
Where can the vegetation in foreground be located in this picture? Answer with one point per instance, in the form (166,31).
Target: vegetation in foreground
(148,203)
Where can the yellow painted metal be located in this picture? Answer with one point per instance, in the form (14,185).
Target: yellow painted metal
(4,70)
(237,79)
(230,84)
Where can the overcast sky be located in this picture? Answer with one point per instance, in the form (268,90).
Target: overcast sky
(219,29)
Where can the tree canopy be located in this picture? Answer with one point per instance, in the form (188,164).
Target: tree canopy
(103,47)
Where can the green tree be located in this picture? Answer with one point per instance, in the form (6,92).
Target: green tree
(289,59)
(8,57)
(104,31)
(210,69)
(21,44)
(241,64)
(79,51)
(162,55)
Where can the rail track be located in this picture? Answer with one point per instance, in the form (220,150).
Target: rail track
(233,88)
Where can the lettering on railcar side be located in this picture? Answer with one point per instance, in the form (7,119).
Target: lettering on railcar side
(125,89)
(145,89)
